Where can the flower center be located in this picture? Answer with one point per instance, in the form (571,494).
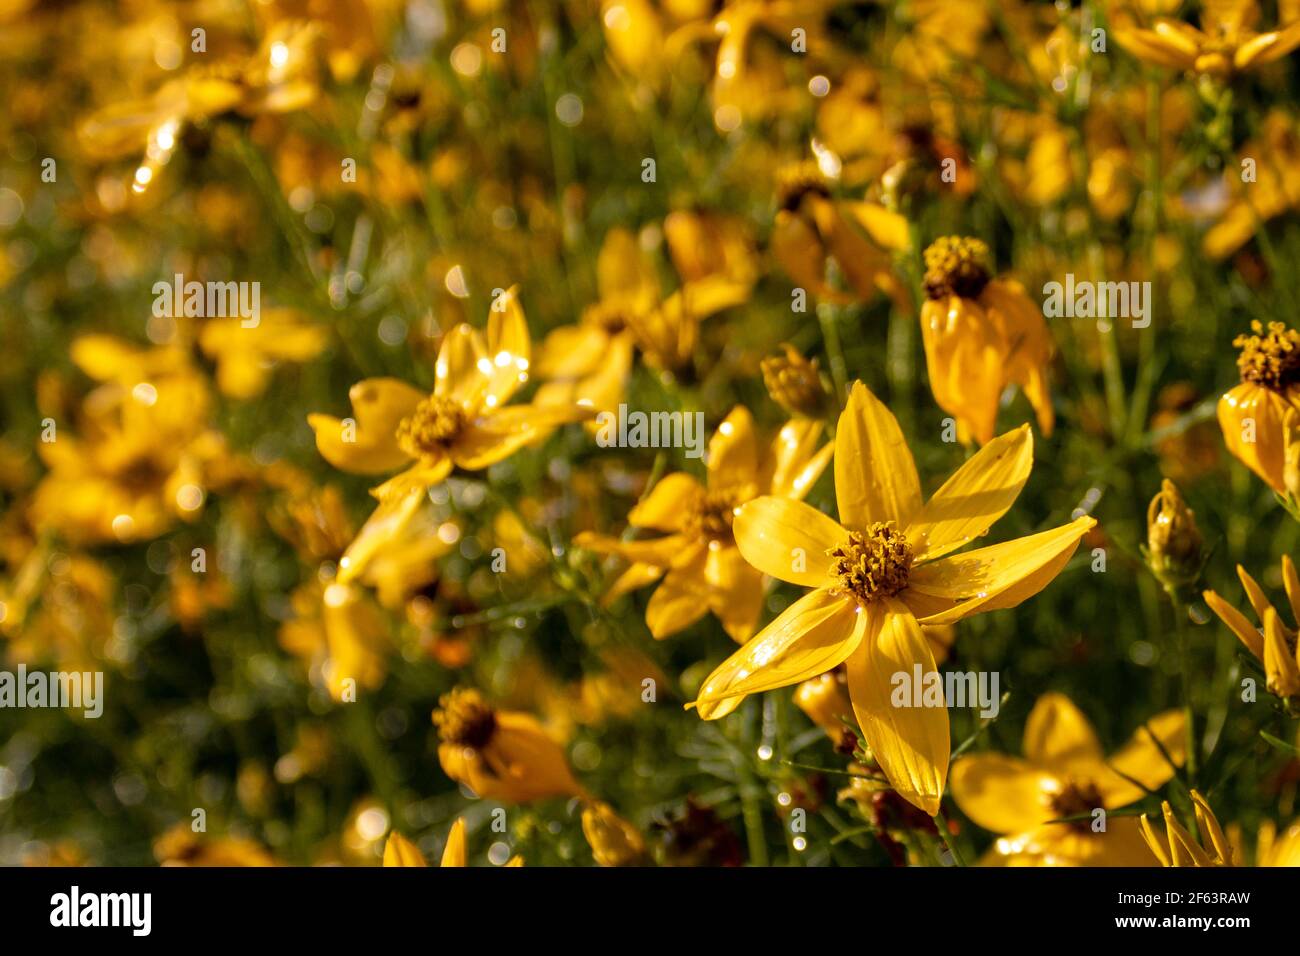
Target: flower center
(465,718)
(1271,358)
(612,317)
(433,426)
(1074,800)
(956,265)
(795,182)
(874,564)
(712,512)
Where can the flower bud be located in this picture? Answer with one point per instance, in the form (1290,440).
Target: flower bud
(1174,545)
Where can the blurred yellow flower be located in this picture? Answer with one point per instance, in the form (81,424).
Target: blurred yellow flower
(878,578)
(1273,643)
(696,558)
(1225,43)
(1065,774)
(613,841)
(1177,847)
(244,355)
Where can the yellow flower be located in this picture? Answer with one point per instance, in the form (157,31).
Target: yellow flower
(980,335)
(244,355)
(1065,774)
(399,851)
(465,422)
(1272,850)
(811,229)
(879,574)
(397,548)
(1272,192)
(499,754)
(1225,43)
(340,634)
(180,846)
(1273,643)
(696,558)
(613,841)
(1253,414)
(1179,848)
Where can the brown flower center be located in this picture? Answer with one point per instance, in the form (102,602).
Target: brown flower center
(433,426)
(1271,358)
(612,317)
(712,513)
(464,717)
(1076,799)
(874,564)
(956,265)
(795,182)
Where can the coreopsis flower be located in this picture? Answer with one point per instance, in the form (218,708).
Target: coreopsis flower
(339,632)
(397,548)
(464,423)
(245,355)
(981,334)
(1253,414)
(1177,847)
(500,754)
(1270,192)
(613,841)
(1273,643)
(1174,547)
(1064,773)
(812,229)
(795,383)
(1226,42)
(881,575)
(696,558)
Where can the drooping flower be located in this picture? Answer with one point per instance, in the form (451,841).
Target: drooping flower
(464,423)
(613,841)
(696,558)
(882,574)
(1273,643)
(981,334)
(1254,414)
(1179,848)
(500,754)
(1226,42)
(1064,773)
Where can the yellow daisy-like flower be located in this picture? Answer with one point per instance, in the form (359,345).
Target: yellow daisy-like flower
(465,422)
(981,334)
(499,754)
(697,558)
(244,354)
(1226,43)
(1064,773)
(1254,414)
(1179,848)
(1273,643)
(880,575)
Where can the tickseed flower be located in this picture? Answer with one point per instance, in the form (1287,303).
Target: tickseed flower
(696,558)
(1064,774)
(613,841)
(795,383)
(981,334)
(879,576)
(1177,847)
(1174,547)
(1273,643)
(244,355)
(500,754)
(1226,43)
(465,422)
(1253,414)
(340,634)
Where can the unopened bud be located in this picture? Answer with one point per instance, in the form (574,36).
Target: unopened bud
(1174,545)
(795,383)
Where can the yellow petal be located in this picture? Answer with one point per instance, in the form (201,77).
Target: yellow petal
(379,405)
(682,598)
(735,591)
(795,459)
(911,744)
(456,852)
(1254,593)
(1142,760)
(887,228)
(1279,661)
(508,349)
(633,579)
(733,451)
(399,851)
(624,274)
(573,351)
(812,636)
(385,523)
(496,436)
(996,577)
(875,476)
(463,368)
(1251,418)
(977,495)
(1002,794)
(1058,735)
(1246,632)
(1291,581)
(787,539)
(668,504)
